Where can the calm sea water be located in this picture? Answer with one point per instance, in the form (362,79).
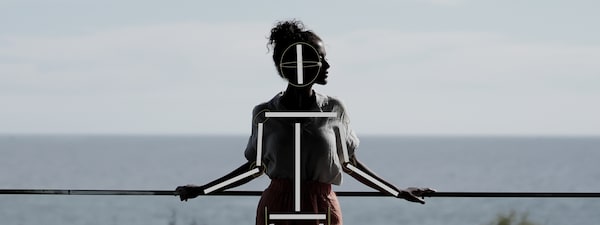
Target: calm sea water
(560,164)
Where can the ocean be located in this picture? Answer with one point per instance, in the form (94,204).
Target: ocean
(532,164)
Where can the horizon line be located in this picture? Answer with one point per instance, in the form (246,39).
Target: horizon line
(416,135)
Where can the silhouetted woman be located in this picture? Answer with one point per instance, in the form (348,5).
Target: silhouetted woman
(322,138)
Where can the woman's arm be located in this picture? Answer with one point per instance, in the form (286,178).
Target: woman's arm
(410,194)
(243,174)
(237,177)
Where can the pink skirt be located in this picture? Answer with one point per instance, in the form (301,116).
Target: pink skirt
(315,198)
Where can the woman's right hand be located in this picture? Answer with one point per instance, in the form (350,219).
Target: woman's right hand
(189,191)
(413,194)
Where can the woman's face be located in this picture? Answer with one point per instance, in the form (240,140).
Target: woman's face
(313,63)
(322,74)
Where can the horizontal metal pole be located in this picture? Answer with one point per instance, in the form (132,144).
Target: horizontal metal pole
(516,194)
(82,192)
(339,193)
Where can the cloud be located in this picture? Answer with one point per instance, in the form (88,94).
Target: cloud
(157,78)
(131,58)
(205,77)
(442,58)
(466,82)
(444,2)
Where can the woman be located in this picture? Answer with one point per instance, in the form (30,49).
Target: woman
(321,137)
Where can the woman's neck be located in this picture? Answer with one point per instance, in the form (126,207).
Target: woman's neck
(298,98)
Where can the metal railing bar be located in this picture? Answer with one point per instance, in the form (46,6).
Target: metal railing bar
(338,193)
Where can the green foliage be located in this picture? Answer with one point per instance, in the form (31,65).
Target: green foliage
(512,219)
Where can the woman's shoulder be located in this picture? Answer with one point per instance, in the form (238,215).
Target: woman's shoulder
(333,104)
(267,106)
(330,102)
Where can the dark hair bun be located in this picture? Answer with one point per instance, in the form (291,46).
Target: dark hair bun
(287,31)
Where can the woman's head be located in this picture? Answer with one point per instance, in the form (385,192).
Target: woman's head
(284,36)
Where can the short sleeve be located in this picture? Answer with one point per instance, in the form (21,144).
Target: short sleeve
(257,117)
(352,140)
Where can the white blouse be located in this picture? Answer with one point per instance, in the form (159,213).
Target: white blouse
(321,151)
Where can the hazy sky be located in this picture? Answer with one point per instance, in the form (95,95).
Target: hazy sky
(414,67)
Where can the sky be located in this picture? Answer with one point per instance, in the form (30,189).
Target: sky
(413,67)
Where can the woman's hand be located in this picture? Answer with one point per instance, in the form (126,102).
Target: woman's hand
(189,191)
(414,194)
